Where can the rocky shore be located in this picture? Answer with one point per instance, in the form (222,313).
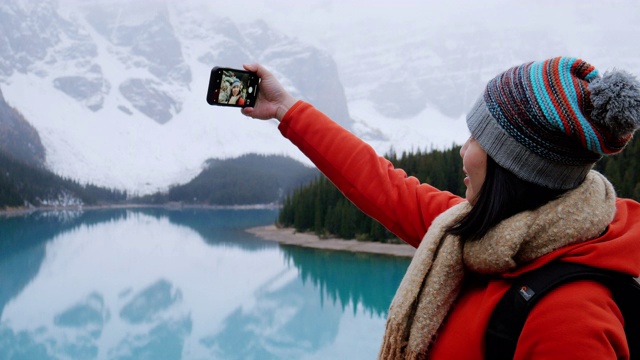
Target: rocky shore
(291,237)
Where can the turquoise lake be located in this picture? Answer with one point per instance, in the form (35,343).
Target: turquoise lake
(183,284)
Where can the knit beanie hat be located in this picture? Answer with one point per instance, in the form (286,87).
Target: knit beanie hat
(549,122)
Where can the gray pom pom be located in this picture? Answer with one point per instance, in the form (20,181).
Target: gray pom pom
(616,102)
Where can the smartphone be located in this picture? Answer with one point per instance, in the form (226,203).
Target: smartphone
(232,87)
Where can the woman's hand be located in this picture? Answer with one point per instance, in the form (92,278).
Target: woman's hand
(273,100)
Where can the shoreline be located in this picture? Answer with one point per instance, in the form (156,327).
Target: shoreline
(17,211)
(286,236)
(289,236)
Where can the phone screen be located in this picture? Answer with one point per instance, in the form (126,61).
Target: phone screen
(232,87)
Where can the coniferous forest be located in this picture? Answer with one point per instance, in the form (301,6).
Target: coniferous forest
(320,208)
(22,185)
(245,180)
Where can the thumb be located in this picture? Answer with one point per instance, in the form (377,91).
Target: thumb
(247,111)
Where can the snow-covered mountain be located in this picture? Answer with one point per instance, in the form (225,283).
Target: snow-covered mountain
(116,89)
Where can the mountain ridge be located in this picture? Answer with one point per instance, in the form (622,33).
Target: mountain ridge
(123,97)
(116,90)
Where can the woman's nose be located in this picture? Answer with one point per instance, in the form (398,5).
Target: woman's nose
(464,148)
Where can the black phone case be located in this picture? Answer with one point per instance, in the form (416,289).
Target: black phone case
(222,82)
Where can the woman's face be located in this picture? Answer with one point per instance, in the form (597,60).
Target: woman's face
(474,165)
(235,90)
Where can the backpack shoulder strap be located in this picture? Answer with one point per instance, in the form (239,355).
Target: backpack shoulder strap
(508,317)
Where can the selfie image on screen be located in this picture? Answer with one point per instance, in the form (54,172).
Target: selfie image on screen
(233,88)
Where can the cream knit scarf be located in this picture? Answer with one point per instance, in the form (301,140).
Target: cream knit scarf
(434,277)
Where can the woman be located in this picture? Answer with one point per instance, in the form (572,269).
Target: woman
(531,198)
(236,95)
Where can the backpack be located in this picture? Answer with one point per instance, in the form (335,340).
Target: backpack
(509,316)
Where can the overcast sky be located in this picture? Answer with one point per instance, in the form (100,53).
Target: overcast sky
(340,25)
(315,20)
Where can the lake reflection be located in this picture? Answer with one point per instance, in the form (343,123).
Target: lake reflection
(189,284)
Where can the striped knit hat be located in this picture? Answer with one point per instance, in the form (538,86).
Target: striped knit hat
(548,122)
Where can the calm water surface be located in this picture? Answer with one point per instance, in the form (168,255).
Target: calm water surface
(188,284)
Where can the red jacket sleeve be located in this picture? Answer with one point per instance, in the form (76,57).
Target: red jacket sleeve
(397,201)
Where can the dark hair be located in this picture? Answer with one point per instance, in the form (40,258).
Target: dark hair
(501,196)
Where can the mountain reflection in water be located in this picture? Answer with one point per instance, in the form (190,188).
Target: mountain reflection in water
(187,284)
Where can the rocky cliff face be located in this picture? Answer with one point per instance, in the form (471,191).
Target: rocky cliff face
(146,42)
(18,139)
(116,89)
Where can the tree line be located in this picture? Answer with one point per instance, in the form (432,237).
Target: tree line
(25,185)
(246,180)
(322,209)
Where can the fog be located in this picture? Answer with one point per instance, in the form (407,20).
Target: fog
(338,25)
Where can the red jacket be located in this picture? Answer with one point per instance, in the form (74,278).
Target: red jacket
(576,321)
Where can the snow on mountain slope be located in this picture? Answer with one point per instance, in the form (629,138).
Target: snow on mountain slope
(133,140)
(117,89)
